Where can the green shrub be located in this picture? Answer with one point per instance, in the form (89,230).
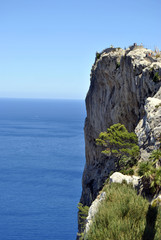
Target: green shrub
(120,143)
(129,171)
(98,55)
(156,202)
(148,170)
(83,213)
(117,65)
(124,215)
(156,77)
(157,106)
(144,167)
(155,155)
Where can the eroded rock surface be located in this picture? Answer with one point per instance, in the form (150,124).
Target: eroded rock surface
(118,177)
(121,81)
(148,129)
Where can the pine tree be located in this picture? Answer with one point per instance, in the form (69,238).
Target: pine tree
(120,143)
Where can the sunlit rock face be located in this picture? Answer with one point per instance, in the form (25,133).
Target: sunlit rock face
(148,129)
(120,83)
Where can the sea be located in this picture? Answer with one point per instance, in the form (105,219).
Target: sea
(42,157)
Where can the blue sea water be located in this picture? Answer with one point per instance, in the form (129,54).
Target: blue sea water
(41,164)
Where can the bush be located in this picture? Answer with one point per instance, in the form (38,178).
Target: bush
(157,106)
(117,65)
(98,55)
(148,170)
(83,213)
(144,167)
(129,171)
(155,156)
(156,77)
(124,215)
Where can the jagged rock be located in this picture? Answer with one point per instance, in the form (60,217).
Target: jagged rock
(121,81)
(118,177)
(148,129)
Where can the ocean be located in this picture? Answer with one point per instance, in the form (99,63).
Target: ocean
(41,164)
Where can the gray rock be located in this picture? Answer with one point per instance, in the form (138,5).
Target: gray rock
(148,129)
(118,177)
(121,81)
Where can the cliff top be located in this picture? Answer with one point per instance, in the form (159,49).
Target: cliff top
(139,55)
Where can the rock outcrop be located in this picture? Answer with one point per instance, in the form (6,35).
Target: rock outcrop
(118,177)
(121,82)
(148,129)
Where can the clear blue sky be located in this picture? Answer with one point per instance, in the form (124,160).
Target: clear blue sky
(47,47)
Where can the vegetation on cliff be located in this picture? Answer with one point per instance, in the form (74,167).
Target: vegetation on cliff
(120,143)
(83,213)
(125,87)
(124,215)
(151,170)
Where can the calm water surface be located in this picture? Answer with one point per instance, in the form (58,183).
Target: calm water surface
(41,164)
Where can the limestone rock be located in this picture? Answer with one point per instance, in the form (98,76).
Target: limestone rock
(148,129)
(118,177)
(121,81)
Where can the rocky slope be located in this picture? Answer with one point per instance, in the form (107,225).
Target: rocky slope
(121,82)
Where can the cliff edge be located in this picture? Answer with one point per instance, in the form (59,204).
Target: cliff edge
(121,83)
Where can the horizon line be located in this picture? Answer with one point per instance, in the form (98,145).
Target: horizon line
(44,98)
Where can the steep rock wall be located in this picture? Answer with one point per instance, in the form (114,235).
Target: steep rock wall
(121,81)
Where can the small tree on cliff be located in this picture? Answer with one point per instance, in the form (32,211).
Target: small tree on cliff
(120,143)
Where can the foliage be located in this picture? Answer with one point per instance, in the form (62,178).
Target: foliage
(129,171)
(124,215)
(120,143)
(157,106)
(155,155)
(148,169)
(98,55)
(83,213)
(144,167)
(156,202)
(117,65)
(156,77)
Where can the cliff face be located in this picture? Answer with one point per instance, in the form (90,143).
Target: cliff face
(121,81)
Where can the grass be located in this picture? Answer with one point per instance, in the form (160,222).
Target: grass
(124,215)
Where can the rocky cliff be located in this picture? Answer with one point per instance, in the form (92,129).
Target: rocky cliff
(120,86)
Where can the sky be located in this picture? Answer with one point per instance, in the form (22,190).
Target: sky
(47,47)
